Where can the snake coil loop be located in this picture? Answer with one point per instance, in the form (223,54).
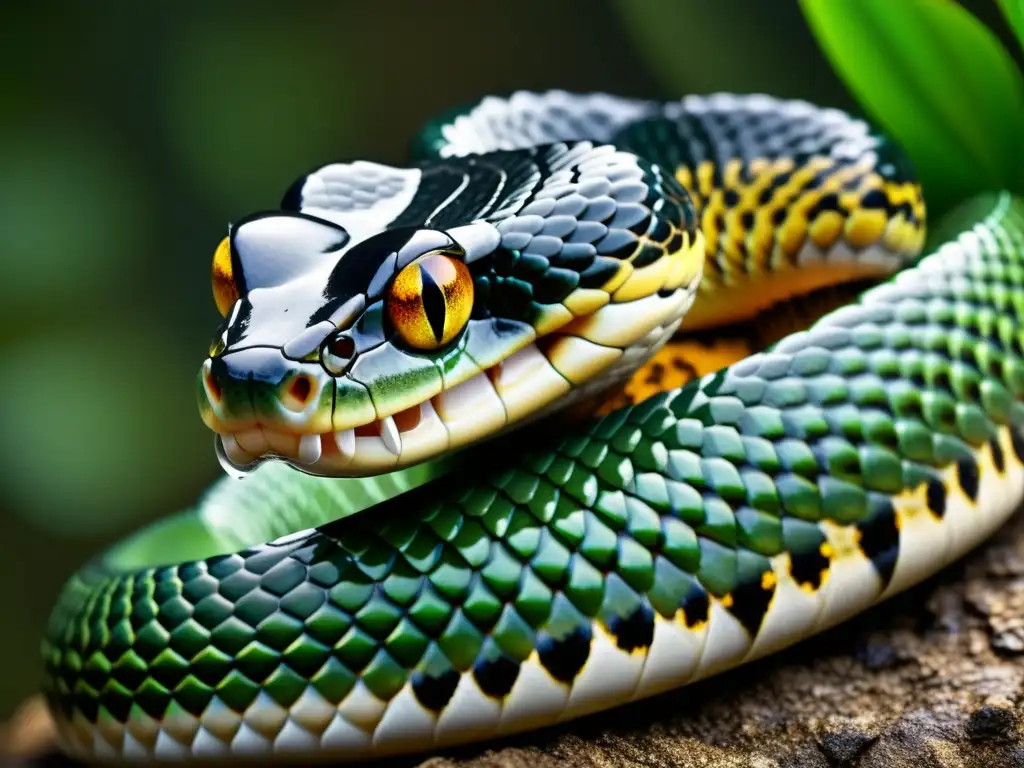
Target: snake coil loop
(541,250)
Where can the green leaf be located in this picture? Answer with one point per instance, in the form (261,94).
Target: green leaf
(253,100)
(96,429)
(276,501)
(936,80)
(684,48)
(1013,10)
(75,213)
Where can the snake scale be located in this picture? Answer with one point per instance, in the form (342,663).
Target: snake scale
(455,547)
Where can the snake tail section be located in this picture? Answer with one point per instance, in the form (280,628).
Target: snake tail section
(653,547)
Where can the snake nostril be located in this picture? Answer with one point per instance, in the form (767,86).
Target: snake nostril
(301,389)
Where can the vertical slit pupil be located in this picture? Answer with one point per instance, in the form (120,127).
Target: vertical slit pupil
(433,304)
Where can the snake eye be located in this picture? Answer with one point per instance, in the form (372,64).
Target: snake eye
(430,301)
(336,353)
(225,289)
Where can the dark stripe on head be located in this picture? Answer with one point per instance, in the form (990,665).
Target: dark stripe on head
(352,274)
(237,273)
(436,184)
(495,180)
(292,200)
(237,329)
(475,185)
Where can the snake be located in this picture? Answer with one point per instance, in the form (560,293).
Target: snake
(517,433)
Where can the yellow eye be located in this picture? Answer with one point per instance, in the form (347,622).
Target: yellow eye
(430,301)
(225,290)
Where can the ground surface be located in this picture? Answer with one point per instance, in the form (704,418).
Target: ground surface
(935,677)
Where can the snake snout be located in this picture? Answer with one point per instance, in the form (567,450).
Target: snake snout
(293,401)
(260,387)
(224,396)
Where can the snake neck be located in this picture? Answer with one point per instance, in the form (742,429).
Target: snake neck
(791,198)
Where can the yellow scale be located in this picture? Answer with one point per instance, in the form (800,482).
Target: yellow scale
(751,271)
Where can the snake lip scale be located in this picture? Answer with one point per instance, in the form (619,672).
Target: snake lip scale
(464,412)
(694,499)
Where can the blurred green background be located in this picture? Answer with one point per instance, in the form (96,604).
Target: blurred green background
(132,133)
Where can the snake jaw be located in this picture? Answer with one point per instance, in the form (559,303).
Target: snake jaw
(398,440)
(468,411)
(390,408)
(534,377)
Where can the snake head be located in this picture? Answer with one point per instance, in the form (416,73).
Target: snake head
(350,349)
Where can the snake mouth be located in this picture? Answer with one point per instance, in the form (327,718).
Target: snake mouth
(383,443)
(584,357)
(480,407)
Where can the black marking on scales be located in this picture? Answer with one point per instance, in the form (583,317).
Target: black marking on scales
(968,476)
(998,459)
(880,537)
(496,676)
(564,657)
(434,692)
(936,497)
(634,631)
(1017,442)
(808,567)
(750,603)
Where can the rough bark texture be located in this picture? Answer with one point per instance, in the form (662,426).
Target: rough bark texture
(934,677)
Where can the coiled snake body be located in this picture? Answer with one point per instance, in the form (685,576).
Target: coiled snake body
(541,249)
